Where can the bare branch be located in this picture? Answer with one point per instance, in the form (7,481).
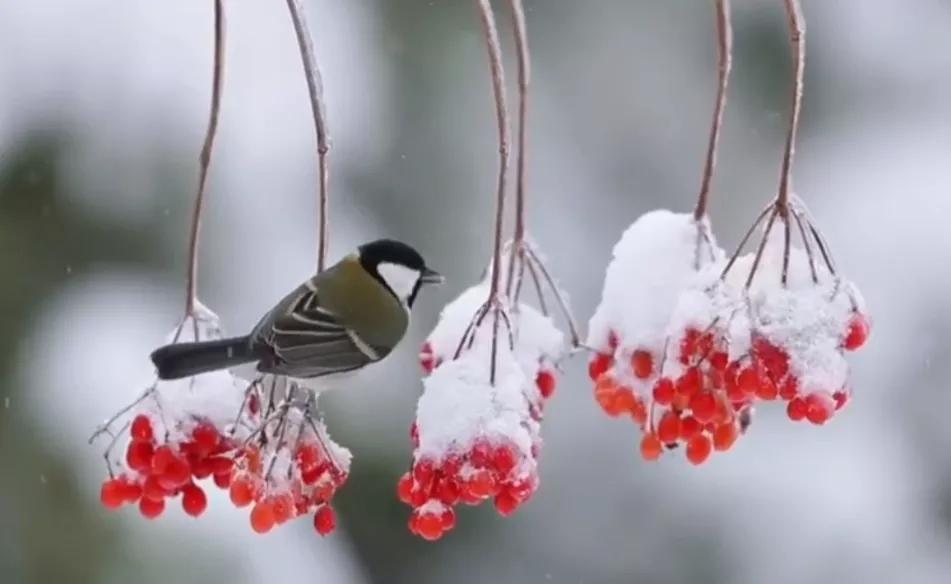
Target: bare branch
(797,37)
(191,278)
(725,52)
(524,81)
(315,88)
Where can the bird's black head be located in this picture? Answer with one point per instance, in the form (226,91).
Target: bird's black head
(397,266)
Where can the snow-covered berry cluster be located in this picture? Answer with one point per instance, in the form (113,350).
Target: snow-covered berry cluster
(258,440)
(292,469)
(686,341)
(157,470)
(477,430)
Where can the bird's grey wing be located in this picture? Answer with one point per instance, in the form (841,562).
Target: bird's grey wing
(305,339)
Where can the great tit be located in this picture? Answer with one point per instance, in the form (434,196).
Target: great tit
(344,318)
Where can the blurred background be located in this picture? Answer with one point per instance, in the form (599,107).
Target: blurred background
(102,112)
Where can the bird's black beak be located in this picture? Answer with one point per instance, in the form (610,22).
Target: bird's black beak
(431,277)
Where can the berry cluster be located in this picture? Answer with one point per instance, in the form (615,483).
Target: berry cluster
(693,354)
(159,471)
(284,482)
(477,438)
(486,470)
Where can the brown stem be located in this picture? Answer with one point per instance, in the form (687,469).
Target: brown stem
(725,52)
(204,160)
(315,88)
(797,36)
(524,80)
(743,242)
(762,245)
(501,111)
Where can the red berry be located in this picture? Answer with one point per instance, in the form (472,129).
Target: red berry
(796,409)
(221,465)
(724,436)
(651,447)
(429,526)
(689,427)
(698,449)
(613,341)
(841,398)
(767,390)
(206,438)
(194,501)
(642,363)
(504,459)
(668,429)
(688,346)
(719,360)
(414,434)
(139,455)
(424,473)
(283,506)
(546,382)
(819,407)
(151,508)
(141,429)
(448,519)
(176,474)
(222,481)
(690,382)
(112,494)
(506,503)
(448,491)
(481,454)
(404,489)
(789,388)
(163,457)
(262,517)
(152,489)
(749,381)
(704,406)
(664,391)
(325,520)
(241,492)
(132,492)
(481,484)
(426,358)
(599,365)
(857,334)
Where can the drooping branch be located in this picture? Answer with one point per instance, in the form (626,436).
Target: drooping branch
(204,161)
(797,37)
(725,52)
(315,89)
(501,110)
(496,70)
(524,81)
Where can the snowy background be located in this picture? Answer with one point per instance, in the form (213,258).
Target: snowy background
(102,109)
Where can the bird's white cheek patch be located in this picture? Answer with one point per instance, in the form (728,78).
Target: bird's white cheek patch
(401,279)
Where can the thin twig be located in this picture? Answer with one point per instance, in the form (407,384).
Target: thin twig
(524,81)
(501,109)
(762,246)
(191,277)
(797,37)
(725,52)
(746,238)
(315,88)
(797,216)
(573,329)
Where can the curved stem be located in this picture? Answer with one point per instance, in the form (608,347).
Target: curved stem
(797,36)
(524,80)
(501,110)
(725,52)
(315,89)
(204,160)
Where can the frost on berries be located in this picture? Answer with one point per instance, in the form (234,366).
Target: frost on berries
(474,440)
(256,440)
(686,347)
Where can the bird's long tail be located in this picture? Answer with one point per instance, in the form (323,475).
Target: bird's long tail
(186,359)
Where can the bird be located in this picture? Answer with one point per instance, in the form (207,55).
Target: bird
(344,318)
